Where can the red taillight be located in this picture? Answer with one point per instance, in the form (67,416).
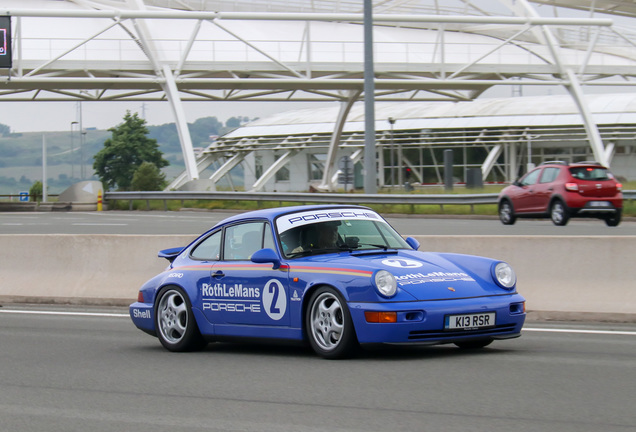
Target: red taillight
(572,187)
(380,317)
(140,297)
(619,187)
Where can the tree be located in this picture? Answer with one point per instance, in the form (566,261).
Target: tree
(36,191)
(233,122)
(148,178)
(125,151)
(4,130)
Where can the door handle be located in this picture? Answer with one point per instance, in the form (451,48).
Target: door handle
(218,274)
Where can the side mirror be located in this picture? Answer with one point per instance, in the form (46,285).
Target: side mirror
(516,183)
(266,255)
(413,243)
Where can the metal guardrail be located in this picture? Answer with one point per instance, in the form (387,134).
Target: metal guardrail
(330,198)
(304,197)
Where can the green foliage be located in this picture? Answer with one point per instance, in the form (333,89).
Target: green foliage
(125,151)
(36,191)
(148,178)
(234,122)
(4,129)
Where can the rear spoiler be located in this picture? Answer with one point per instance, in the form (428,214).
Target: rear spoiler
(170,254)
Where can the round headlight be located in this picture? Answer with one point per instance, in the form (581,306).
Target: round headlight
(385,283)
(505,275)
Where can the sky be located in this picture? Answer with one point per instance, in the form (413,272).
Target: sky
(57,116)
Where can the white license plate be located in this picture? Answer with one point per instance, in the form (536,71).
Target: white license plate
(469,321)
(599,204)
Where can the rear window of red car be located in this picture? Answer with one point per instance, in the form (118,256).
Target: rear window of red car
(590,173)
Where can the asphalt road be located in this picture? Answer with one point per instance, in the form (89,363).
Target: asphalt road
(99,373)
(193,222)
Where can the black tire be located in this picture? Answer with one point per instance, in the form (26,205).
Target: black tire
(559,213)
(329,326)
(614,219)
(474,344)
(506,213)
(176,327)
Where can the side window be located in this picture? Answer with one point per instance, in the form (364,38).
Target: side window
(549,175)
(530,178)
(242,240)
(209,248)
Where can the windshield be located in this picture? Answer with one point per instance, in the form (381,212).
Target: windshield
(328,231)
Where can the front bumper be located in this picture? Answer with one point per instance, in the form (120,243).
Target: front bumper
(422,322)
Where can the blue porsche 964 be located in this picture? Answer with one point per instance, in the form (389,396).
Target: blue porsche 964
(336,277)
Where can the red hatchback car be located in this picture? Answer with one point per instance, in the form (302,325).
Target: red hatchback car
(559,190)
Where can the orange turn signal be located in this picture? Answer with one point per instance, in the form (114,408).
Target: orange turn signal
(380,317)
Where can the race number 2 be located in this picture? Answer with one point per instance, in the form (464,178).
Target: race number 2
(274,299)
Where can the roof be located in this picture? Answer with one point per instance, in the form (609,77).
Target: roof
(513,111)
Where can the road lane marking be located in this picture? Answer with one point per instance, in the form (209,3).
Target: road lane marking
(581,331)
(125,315)
(98,224)
(91,314)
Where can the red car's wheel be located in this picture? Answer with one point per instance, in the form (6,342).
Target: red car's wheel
(615,219)
(559,213)
(506,213)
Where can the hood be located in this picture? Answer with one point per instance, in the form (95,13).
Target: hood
(427,275)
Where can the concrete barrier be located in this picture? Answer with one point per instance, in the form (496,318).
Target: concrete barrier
(562,277)
(80,269)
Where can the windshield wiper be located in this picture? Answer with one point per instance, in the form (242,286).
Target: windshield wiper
(385,247)
(318,251)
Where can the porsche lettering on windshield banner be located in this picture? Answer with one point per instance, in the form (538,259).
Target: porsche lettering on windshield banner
(293,220)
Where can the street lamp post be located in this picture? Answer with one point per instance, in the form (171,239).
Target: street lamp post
(72,151)
(391,152)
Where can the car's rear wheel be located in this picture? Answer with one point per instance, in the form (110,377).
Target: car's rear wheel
(176,328)
(559,213)
(614,219)
(474,344)
(506,213)
(329,326)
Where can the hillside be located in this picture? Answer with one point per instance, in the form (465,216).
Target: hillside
(21,153)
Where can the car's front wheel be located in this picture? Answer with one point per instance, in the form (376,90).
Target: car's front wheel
(176,328)
(559,213)
(506,213)
(329,326)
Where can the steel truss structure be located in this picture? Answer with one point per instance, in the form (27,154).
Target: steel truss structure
(415,135)
(286,50)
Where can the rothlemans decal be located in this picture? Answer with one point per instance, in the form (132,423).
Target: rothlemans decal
(230,298)
(272,298)
(420,278)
